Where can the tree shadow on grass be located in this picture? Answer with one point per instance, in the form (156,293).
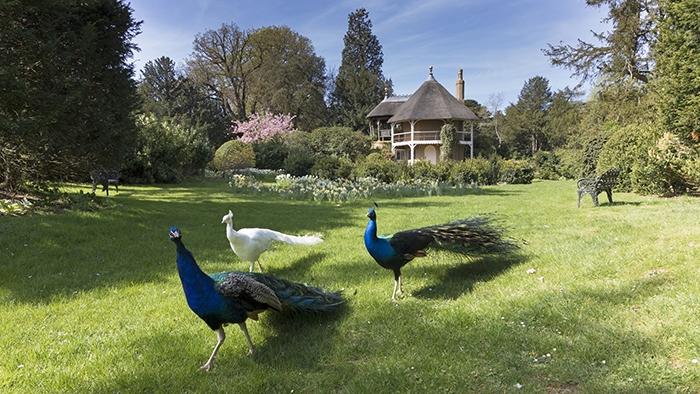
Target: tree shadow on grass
(299,267)
(64,255)
(461,278)
(551,339)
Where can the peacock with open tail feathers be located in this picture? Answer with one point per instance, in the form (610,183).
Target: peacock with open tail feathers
(476,235)
(233,297)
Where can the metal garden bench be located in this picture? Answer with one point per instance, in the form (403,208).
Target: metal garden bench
(594,186)
(104,178)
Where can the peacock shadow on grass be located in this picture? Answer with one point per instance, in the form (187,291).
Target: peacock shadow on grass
(299,267)
(311,335)
(460,279)
(501,348)
(495,350)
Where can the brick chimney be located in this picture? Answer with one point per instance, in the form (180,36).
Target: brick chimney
(460,86)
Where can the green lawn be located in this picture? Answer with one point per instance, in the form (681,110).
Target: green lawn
(91,301)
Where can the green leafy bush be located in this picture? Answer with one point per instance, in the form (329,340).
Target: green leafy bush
(679,163)
(546,165)
(270,153)
(379,166)
(331,167)
(591,151)
(339,142)
(516,172)
(166,151)
(300,156)
(479,171)
(627,148)
(570,163)
(233,155)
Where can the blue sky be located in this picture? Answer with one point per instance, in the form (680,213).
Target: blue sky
(497,43)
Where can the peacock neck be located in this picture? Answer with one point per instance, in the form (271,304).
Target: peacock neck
(231,233)
(187,267)
(371,230)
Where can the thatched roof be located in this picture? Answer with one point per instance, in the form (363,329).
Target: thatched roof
(432,101)
(388,106)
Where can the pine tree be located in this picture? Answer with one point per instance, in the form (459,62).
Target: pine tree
(360,84)
(67,90)
(526,120)
(622,54)
(678,69)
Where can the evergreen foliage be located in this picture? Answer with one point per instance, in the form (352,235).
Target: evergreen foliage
(360,84)
(67,89)
(678,69)
(167,92)
(233,155)
(623,54)
(270,154)
(526,121)
(165,151)
(448,139)
(290,79)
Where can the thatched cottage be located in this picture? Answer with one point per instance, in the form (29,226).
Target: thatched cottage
(411,124)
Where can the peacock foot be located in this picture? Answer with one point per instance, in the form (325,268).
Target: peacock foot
(206,367)
(251,352)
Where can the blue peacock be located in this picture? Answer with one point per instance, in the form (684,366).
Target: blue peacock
(233,297)
(468,236)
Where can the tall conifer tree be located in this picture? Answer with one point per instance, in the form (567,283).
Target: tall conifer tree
(360,83)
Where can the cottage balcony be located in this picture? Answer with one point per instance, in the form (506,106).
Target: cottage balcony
(384,135)
(427,137)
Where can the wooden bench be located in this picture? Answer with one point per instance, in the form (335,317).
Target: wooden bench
(594,186)
(104,178)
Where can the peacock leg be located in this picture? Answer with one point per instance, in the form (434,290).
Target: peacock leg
(251,348)
(252,266)
(400,286)
(397,284)
(220,337)
(260,264)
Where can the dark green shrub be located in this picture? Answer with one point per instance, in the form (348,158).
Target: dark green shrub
(300,156)
(570,163)
(345,168)
(379,166)
(443,170)
(516,172)
(298,164)
(627,148)
(331,167)
(546,165)
(166,151)
(422,170)
(479,171)
(339,142)
(270,154)
(448,137)
(591,151)
(233,155)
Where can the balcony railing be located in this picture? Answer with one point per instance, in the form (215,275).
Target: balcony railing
(405,136)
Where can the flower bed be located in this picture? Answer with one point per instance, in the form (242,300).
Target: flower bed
(319,189)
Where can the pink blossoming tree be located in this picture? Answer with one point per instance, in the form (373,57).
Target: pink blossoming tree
(261,127)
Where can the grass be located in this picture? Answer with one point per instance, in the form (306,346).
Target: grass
(91,301)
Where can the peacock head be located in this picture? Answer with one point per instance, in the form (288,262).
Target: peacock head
(174,233)
(228,218)
(371,214)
